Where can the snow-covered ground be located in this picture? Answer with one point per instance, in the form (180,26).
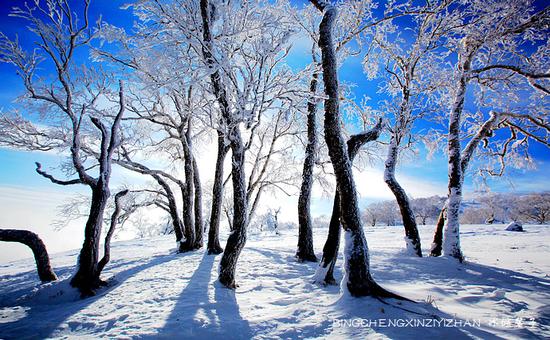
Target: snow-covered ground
(503,290)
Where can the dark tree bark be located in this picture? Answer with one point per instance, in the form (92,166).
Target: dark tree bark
(217,197)
(87,278)
(437,244)
(172,210)
(305,250)
(237,238)
(409,221)
(188,192)
(325,272)
(64,94)
(31,240)
(199,223)
(359,279)
(107,246)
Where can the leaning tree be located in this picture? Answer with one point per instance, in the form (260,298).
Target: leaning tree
(359,281)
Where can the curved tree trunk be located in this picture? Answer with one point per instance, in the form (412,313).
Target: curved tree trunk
(31,240)
(325,271)
(412,237)
(172,209)
(217,198)
(359,280)
(199,224)
(305,250)
(107,246)
(87,278)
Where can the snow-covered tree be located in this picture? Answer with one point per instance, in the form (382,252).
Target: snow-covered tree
(238,103)
(534,207)
(359,281)
(325,271)
(489,53)
(411,86)
(70,110)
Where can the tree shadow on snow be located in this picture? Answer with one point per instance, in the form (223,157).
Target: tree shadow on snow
(291,284)
(199,315)
(469,284)
(26,281)
(403,320)
(46,318)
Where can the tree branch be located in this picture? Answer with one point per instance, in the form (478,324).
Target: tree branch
(53,179)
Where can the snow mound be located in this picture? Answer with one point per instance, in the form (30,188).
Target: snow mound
(514,226)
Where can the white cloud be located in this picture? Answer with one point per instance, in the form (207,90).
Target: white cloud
(370,184)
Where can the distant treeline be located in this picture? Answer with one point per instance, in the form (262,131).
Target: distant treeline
(531,208)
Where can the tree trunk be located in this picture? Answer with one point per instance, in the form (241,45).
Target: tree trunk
(107,246)
(173,210)
(325,271)
(305,250)
(451,239)
(484,131)
(87,278)
(412,237)
(237,238)
(359,280)
(199,224)
(188,194)
(31,240)
(217,198)
(437,244)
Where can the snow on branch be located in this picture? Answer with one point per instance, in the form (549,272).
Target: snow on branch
(53,179)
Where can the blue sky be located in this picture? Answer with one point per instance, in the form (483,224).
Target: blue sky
(29,201)
(18,167)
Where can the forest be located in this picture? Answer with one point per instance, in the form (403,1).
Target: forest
(256,87)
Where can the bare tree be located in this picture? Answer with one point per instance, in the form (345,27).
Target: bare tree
(70,99)
(355,17)
(359,279)
(535,207)
(487,45)
(427,209)
(411,89)
(237,238)
(169,104)
(305,250)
